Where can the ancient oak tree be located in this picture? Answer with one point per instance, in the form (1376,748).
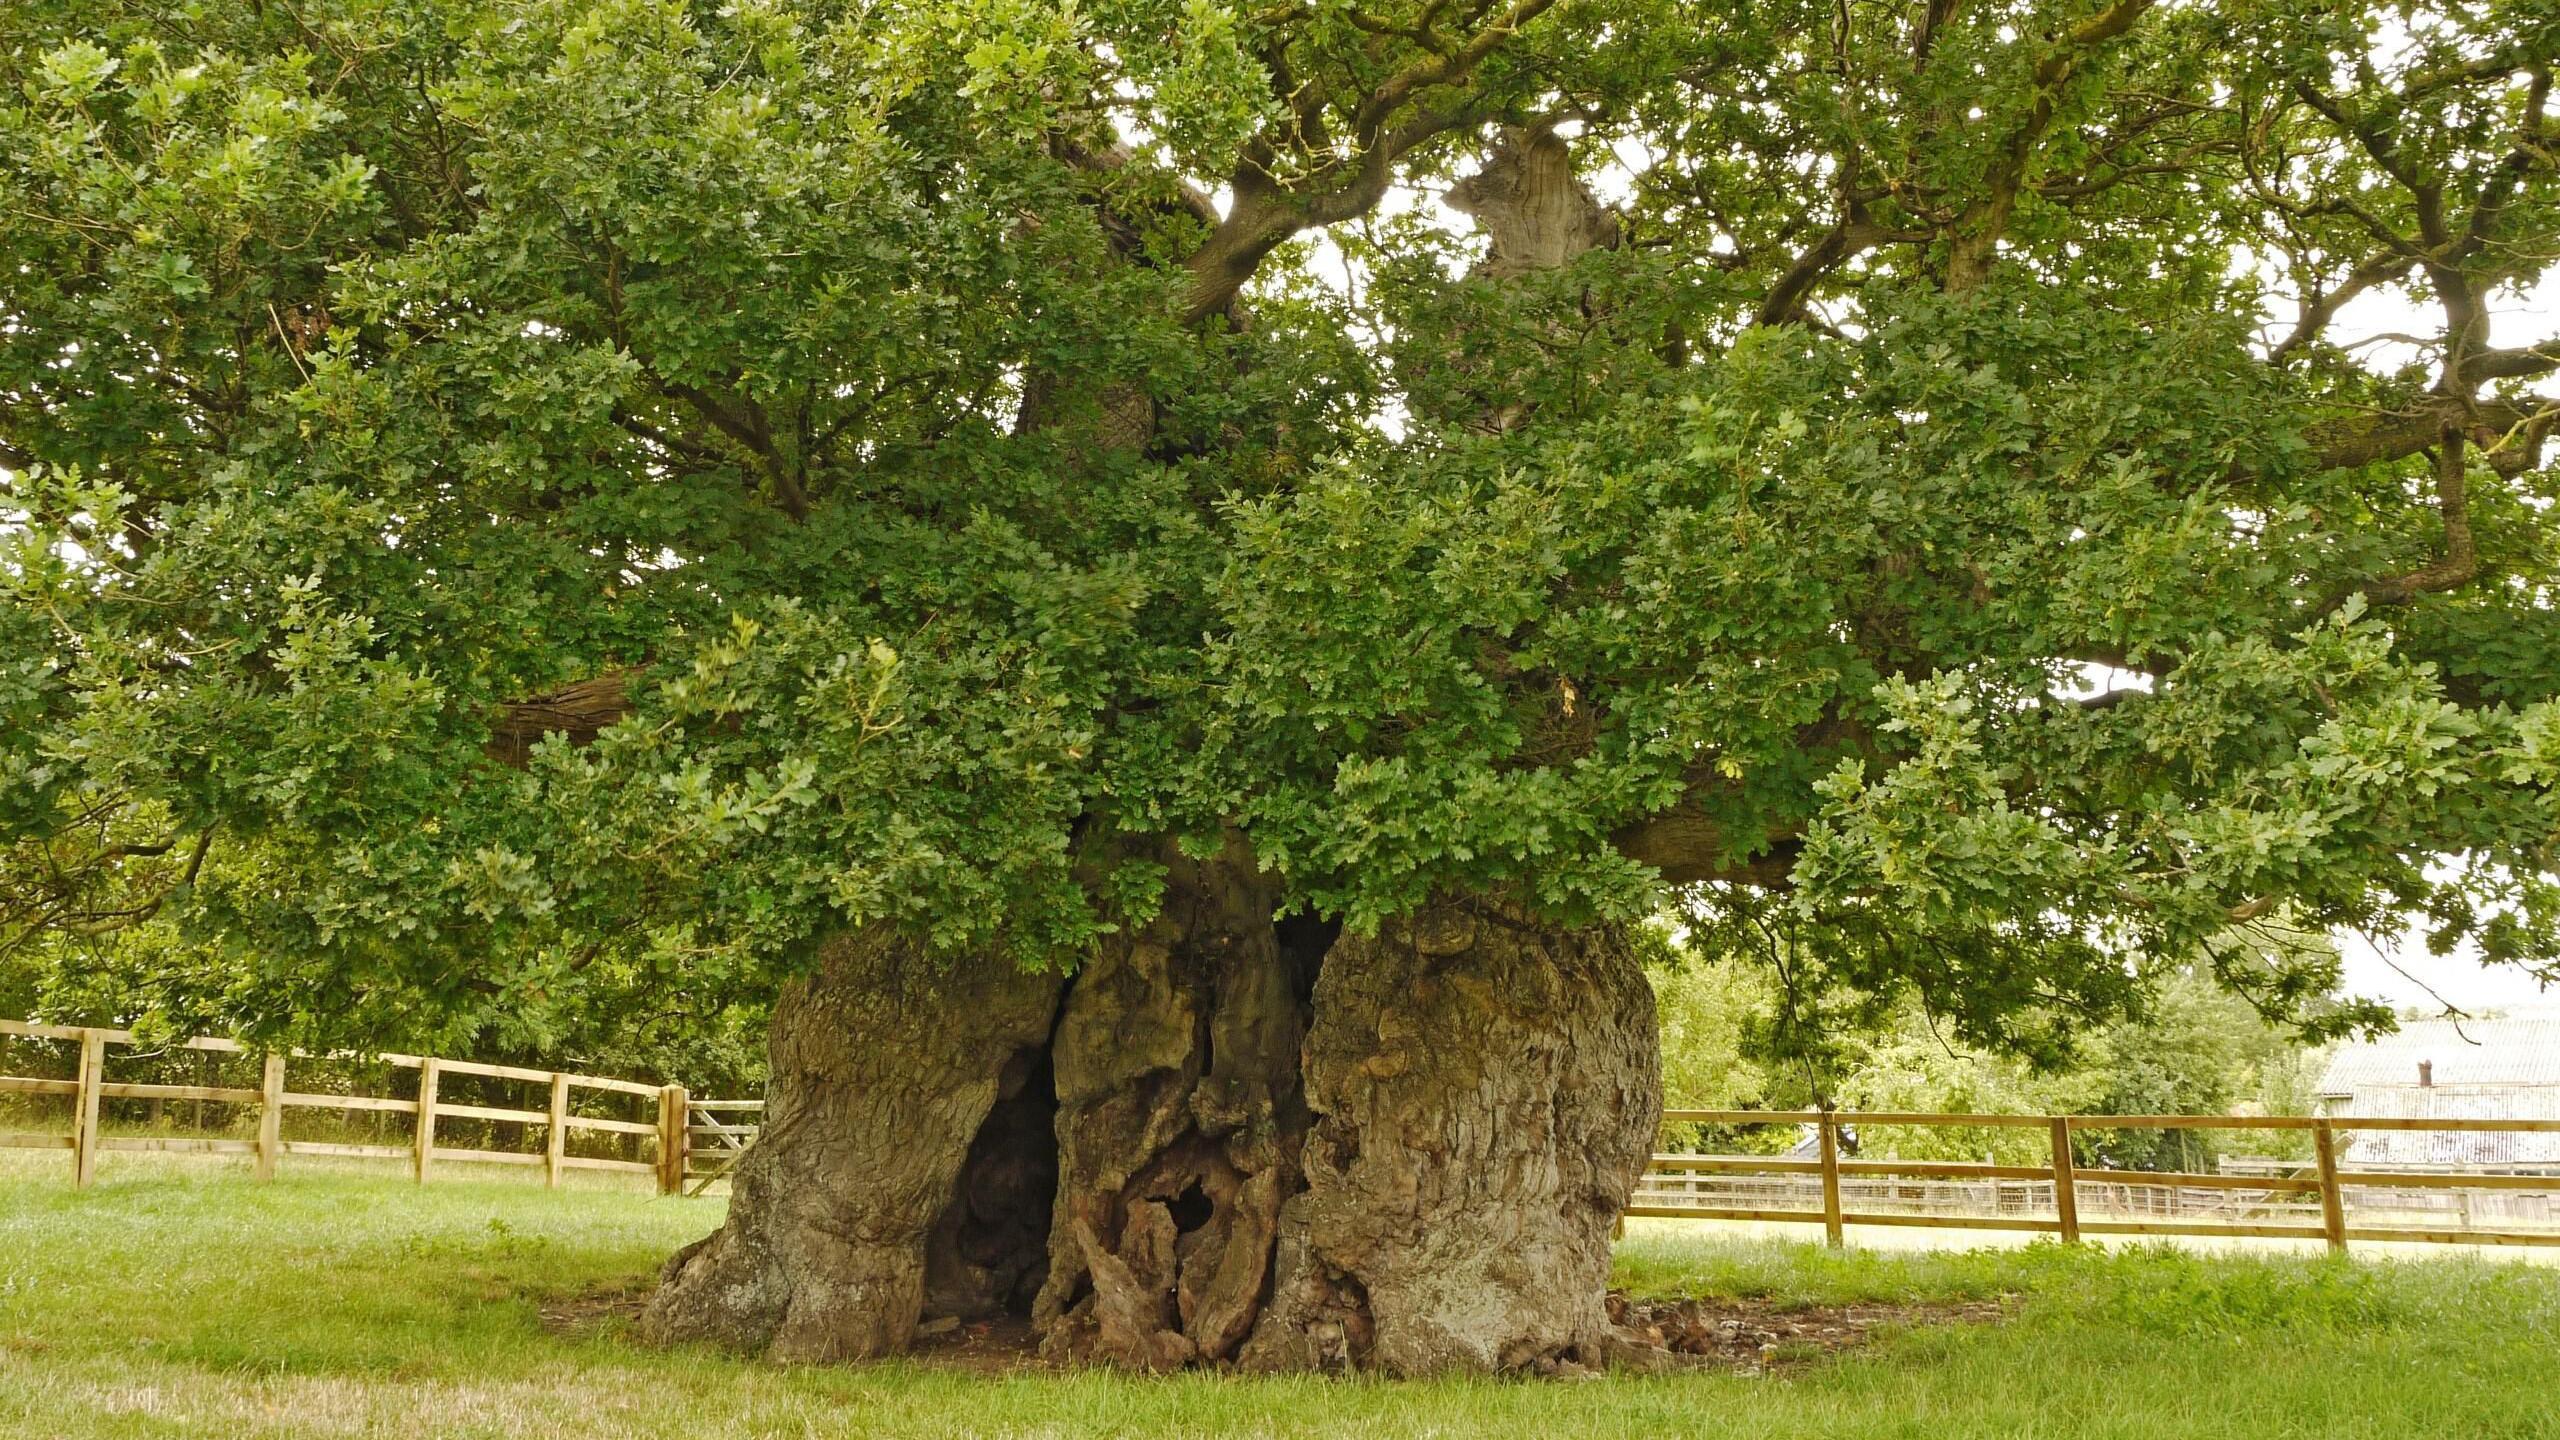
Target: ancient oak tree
(1163,583)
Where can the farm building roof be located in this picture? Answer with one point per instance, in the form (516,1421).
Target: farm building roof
(2510,1050)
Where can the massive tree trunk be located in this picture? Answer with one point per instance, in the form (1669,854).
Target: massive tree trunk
(1235,1139)
(870,1177)
(1486,1089)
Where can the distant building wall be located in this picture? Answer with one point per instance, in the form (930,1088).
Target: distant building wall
(2439,1102)
(2501,1068)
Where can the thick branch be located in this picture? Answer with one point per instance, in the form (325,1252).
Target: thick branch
(2323,309)
(1977,232)
(1838,245)
(2522,362)
(2458,562)
(1690,849)
(1265,213)
(580,711)
(1537,214)
(2375,439)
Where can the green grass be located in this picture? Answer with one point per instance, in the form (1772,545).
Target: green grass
(169,1301)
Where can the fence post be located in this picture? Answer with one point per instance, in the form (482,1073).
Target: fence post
(426,1138)
(555,1146)
(1830,1133)
(84,1108)
(270,1115)
(675,1116)
(2333,1200)
(2066,1187)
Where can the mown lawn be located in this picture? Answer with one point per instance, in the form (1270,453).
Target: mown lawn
(358,1305)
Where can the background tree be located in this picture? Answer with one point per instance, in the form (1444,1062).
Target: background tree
(2191,1047)
(882,509)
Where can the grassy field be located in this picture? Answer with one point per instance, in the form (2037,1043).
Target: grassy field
(179,1303)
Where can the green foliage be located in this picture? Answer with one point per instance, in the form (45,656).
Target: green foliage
(958,505)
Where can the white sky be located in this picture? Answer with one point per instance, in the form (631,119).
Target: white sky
(2458,980)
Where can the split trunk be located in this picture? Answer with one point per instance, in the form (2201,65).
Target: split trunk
(1222,1140)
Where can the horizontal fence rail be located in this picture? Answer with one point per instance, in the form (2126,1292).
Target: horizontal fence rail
(692,1144)
(2270,1199)
(673,1117)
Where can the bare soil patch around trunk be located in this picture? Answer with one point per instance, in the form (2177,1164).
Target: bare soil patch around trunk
(1765,1336)
(1740,1336)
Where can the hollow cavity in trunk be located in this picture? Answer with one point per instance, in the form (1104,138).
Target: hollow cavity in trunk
(1225,1140)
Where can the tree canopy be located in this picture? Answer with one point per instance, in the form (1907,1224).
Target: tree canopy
(513,509)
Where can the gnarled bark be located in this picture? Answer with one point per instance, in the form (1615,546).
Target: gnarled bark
(886,1066)
(1240,1141)
(1486,1089)
(1535,212)
(1179,1124)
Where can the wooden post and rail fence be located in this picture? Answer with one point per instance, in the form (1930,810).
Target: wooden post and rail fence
(699,1141)
(669,1122)
(2329,1181)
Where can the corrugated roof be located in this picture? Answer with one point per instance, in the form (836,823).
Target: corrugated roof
(2512,1050)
